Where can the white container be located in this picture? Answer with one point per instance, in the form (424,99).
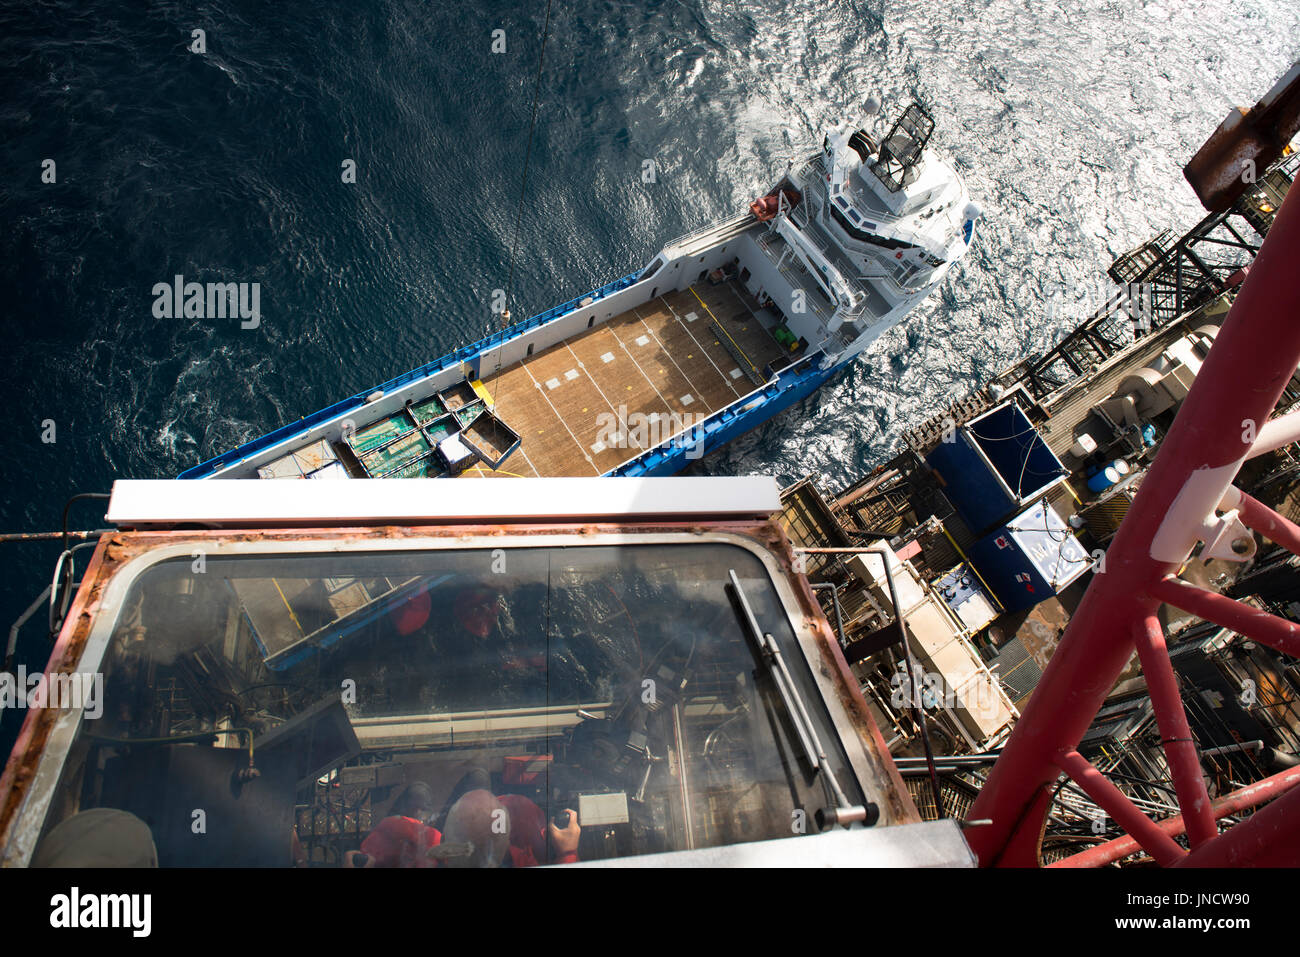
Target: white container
(1083,446)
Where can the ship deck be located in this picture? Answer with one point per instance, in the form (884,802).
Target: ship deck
(686,354)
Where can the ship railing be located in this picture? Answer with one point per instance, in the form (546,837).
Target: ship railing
(845,267)
(451,360)
(711,228)
(814,168)
(788,269)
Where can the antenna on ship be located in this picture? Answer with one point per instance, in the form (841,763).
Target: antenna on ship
(528,153)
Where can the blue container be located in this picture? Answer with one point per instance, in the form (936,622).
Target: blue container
(1107,475)
(994,465)
(1031,558)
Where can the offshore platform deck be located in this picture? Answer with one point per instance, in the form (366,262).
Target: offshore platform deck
(998,515)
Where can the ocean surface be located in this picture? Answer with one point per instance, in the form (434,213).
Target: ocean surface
(1070,122)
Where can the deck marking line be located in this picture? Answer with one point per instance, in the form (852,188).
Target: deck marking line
(562,422)
(718,323)
(666,403)
(613,438)
(703,350)
(672,360)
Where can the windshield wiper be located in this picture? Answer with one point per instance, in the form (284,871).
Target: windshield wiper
(839,810)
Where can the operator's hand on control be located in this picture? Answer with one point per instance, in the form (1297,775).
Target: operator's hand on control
(565,841)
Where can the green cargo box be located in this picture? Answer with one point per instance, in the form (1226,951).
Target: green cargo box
(468,413)
(428,467)
(439,429)
(378,433)
(395,455)
(427,410)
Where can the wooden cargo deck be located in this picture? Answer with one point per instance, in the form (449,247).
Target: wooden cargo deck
(684,354)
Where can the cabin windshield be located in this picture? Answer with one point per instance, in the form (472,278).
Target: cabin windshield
(381,708)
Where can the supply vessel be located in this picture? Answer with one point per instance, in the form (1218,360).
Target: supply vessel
(725,328)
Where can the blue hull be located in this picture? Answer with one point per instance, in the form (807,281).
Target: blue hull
(791,385)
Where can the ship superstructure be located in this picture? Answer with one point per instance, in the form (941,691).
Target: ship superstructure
(726,327)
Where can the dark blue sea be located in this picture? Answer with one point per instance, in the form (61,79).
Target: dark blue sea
(1069,120)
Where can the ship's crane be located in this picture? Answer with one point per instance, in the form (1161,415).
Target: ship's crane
(830,279)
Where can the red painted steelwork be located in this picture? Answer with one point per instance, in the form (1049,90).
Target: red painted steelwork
(1115,803)
(1241,800)
(1253,358)
(1268,839)
(1276,528)
(1277,633)
(1175,735)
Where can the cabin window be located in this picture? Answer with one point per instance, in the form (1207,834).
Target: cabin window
(616,680)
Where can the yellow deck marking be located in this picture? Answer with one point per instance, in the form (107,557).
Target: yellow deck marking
(481,471)
(724,331)
(730,385)
(481,391)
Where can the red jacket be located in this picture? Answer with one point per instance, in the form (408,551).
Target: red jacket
(528,833)
(401,842)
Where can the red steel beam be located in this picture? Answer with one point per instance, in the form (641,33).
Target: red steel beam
(1180,749)
(1254,356)
(1240,800)
(1267,839)
(1276,528)
(1126,814)
(1267,629)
